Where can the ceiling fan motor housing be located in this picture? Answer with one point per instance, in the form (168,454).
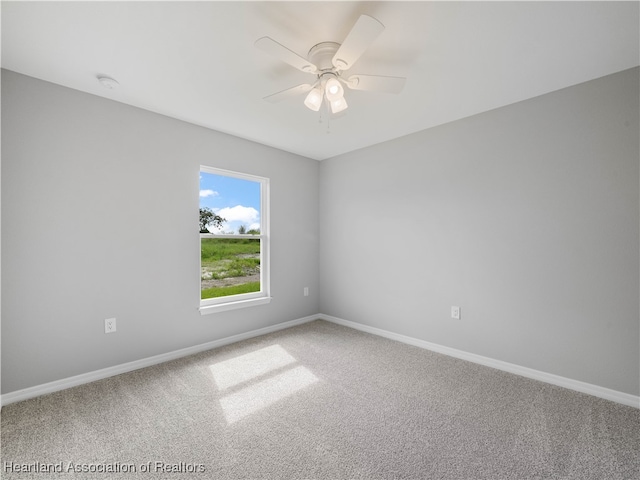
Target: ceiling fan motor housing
(321,55)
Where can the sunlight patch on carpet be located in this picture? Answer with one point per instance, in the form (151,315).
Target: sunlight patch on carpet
(253,398)
(252,365)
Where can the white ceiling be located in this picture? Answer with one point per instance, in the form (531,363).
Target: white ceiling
(195,61)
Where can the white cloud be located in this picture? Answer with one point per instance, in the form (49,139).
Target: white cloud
(208,193)
(239,213)
(238,216)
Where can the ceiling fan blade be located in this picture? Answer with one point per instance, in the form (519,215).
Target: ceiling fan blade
(363,33)
(289,92)
(278,50)
(376,83)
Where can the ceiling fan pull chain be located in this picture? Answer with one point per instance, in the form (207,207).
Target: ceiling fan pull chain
(328,117)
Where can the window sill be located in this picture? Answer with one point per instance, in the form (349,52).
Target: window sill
(222,307)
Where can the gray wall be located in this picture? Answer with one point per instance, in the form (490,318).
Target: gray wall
(99,220)
(527,217)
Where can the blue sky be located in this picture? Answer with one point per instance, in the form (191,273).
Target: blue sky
(236,200)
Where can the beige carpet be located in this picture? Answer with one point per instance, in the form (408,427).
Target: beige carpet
(320,401)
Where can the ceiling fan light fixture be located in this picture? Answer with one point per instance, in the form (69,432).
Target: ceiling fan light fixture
(338,105)
(314,99)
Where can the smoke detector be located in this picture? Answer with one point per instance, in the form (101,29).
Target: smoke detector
(108,82)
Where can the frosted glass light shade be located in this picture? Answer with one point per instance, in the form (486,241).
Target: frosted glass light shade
(314,99)
(333,89)
(338,105)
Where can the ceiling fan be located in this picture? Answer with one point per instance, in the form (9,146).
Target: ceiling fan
(328,61)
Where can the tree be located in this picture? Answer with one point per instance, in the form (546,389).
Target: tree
(254,231)
(242,229)
(208,217)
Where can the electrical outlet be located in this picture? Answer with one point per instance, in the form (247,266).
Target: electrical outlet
(455,313)
(306,291)
(110,325)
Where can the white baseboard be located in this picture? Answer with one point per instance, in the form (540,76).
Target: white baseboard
(65,383)
(595,390)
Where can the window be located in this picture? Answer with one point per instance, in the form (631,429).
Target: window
(234,240)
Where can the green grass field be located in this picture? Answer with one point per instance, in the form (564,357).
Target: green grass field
(229,259)
(232,290)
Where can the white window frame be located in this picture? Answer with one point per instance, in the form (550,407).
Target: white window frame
(231,302)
